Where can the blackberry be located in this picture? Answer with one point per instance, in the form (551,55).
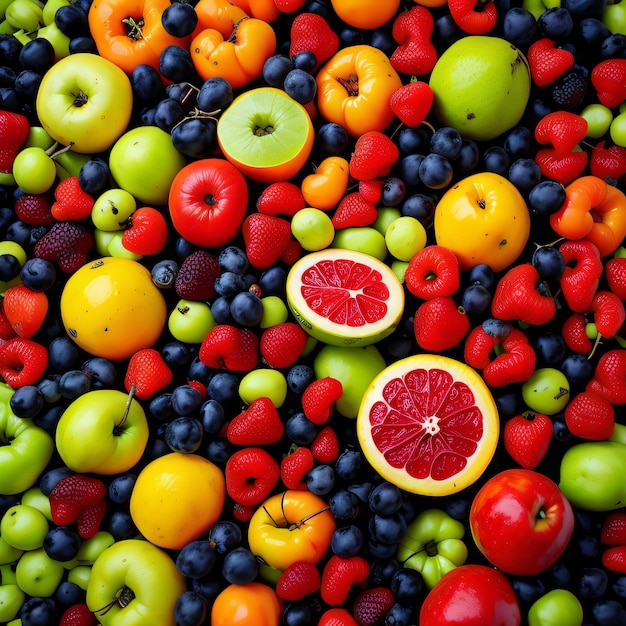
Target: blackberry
(570,90)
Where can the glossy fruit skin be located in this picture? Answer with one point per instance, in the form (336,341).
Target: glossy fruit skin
(483,219)
(534,519)
(177,498)
(208,200)
(471,595)
(252,604)
(362,107)
(111,308)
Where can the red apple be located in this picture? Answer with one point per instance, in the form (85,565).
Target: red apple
(471,595)
(521,521)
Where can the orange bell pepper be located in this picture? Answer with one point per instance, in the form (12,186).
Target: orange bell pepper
(262,9)
(593,210)
(354,88)
(240,57)
(130,33)
(221,15)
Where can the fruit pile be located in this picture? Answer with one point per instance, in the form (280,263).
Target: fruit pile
(312,312)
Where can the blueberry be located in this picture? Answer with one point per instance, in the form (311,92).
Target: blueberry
(71,20)
(220,308)
(121,488)
(83,44)
(49,479)
(101,371)
(435,171)
(393,191)
(275,69)
(496,159)
(550,348)
(195,137)
(385,499)
(305,61)
(74,383)
(218,451)
(299,429)
(420,206)
(63,354)
(186,400)
(121,525)
(184,434)
(37,274)
(332,138)
(300,85)
(37,54)
(507,403)
(49,388)
(613,46)
(321,479)
(387,529)
(361,490)
(547,197)
(560,431)
(469,157)
(175,354)
(482,274)
(408,168)
(68,593)
(406,585)
(246,309)
(381,550)
(446,142)
(518,141)
(61,543)
(179,19)
(588,546)
(555,23)
(212,416)
(39,611)
(549,262)
(383,571)
(27,401)
(191,608)
(519,26)
(496,328)
(215,94)
(160,407)
(609,613)
(593,583)
(147,86)
(344,505)
(529,589)
(196,559)
(297,615)
(176,65)
(475,299)
(401,615)
(593,31)
(346,541)
(227,284)
(225,536)
(240,566)
(164,273)
(413,140)
(349,465)
(578,369)
(233,259)
(299,377)
(208,586)
(525,174)
(48,419)
(223,387)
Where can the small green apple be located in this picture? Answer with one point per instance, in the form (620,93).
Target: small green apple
(546,391)
(80,575)
(275,311)
(617,130)
(112,208)
(354,367)
(313,228)
(190,321)
(36,498)
(37,574)
(557,607)
(264,382)
(50,8)
(117,249)
(386,215)
(599,118)
(405,237)
(91,548)
(24,527)
(481,85)
(11,600)
(8,553)
(366,239)
(144,162)
(614,17)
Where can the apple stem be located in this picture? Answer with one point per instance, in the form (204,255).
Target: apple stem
(61,151)
(596,343)
(198,113)
(131,395)
(123,598)
(304,520)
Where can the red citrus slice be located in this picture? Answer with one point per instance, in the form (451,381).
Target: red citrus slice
(344,297)
(428,424)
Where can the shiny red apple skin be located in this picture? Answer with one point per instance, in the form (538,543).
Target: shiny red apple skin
(471,595)
(521,521)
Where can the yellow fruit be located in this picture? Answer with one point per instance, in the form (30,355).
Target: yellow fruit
(428,424)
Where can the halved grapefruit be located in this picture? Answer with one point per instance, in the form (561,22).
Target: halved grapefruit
(428,424)
(344,297)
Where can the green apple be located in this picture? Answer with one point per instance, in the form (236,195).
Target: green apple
(59,40)
(354,367)
(36,498)
(614,16)
(481,86)
(25,448)
(86,101)
(38,137)
(24,527)
(557,607)
(399,269)
(538,7)
(80,575)
(619,433)
(68,162)
(405,237)
(8,553)
(386,215)
(591,475)
(546,391)
(34,171)
(133,582)
(365,239)
(275,311)
(103,239)
(25,14)
(118,250)
(190,321)
(50,8)
(103,431)
(313,228)
(37,574)
(91,548)
(599,118)
(264,383)
(617,130)
(144,162)
(11,600)
(112,208)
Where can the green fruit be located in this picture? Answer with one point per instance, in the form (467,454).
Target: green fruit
(481,86)
(557,607)
(364,239)
(546,391)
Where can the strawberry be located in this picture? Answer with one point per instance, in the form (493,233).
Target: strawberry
(78,615)
(371,606)
(22,362)
(547,62)
(146,233)
(609,379)
(412,31)
(589,416)
(266,237)
(14,129)
(521,295)
(411,102)
(473,18)
(251,474)
(373,157)
(25,309)
(615,274)
(561,168)
(527,438)
(354,210)
(259,424)
(433,272)
(575,335)
(292,252)
(318,399)
(608,313)
(372,189)
(439,324)
(6,330)
(71,203)
(300,579)
(609,80)
(281,198)
(608,162)
(581,277)
(338,577)
(325,446)
(614,559)
(90,520)
(196,276)
(148,372)
(281,345)
(34,209)
(613,530)
(337,617)
(230,348)
(310,32)
(66,244)
(561,129)
(73,495)
(295,466)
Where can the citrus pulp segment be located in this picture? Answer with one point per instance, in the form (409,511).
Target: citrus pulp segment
(344,297)
(428,424)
